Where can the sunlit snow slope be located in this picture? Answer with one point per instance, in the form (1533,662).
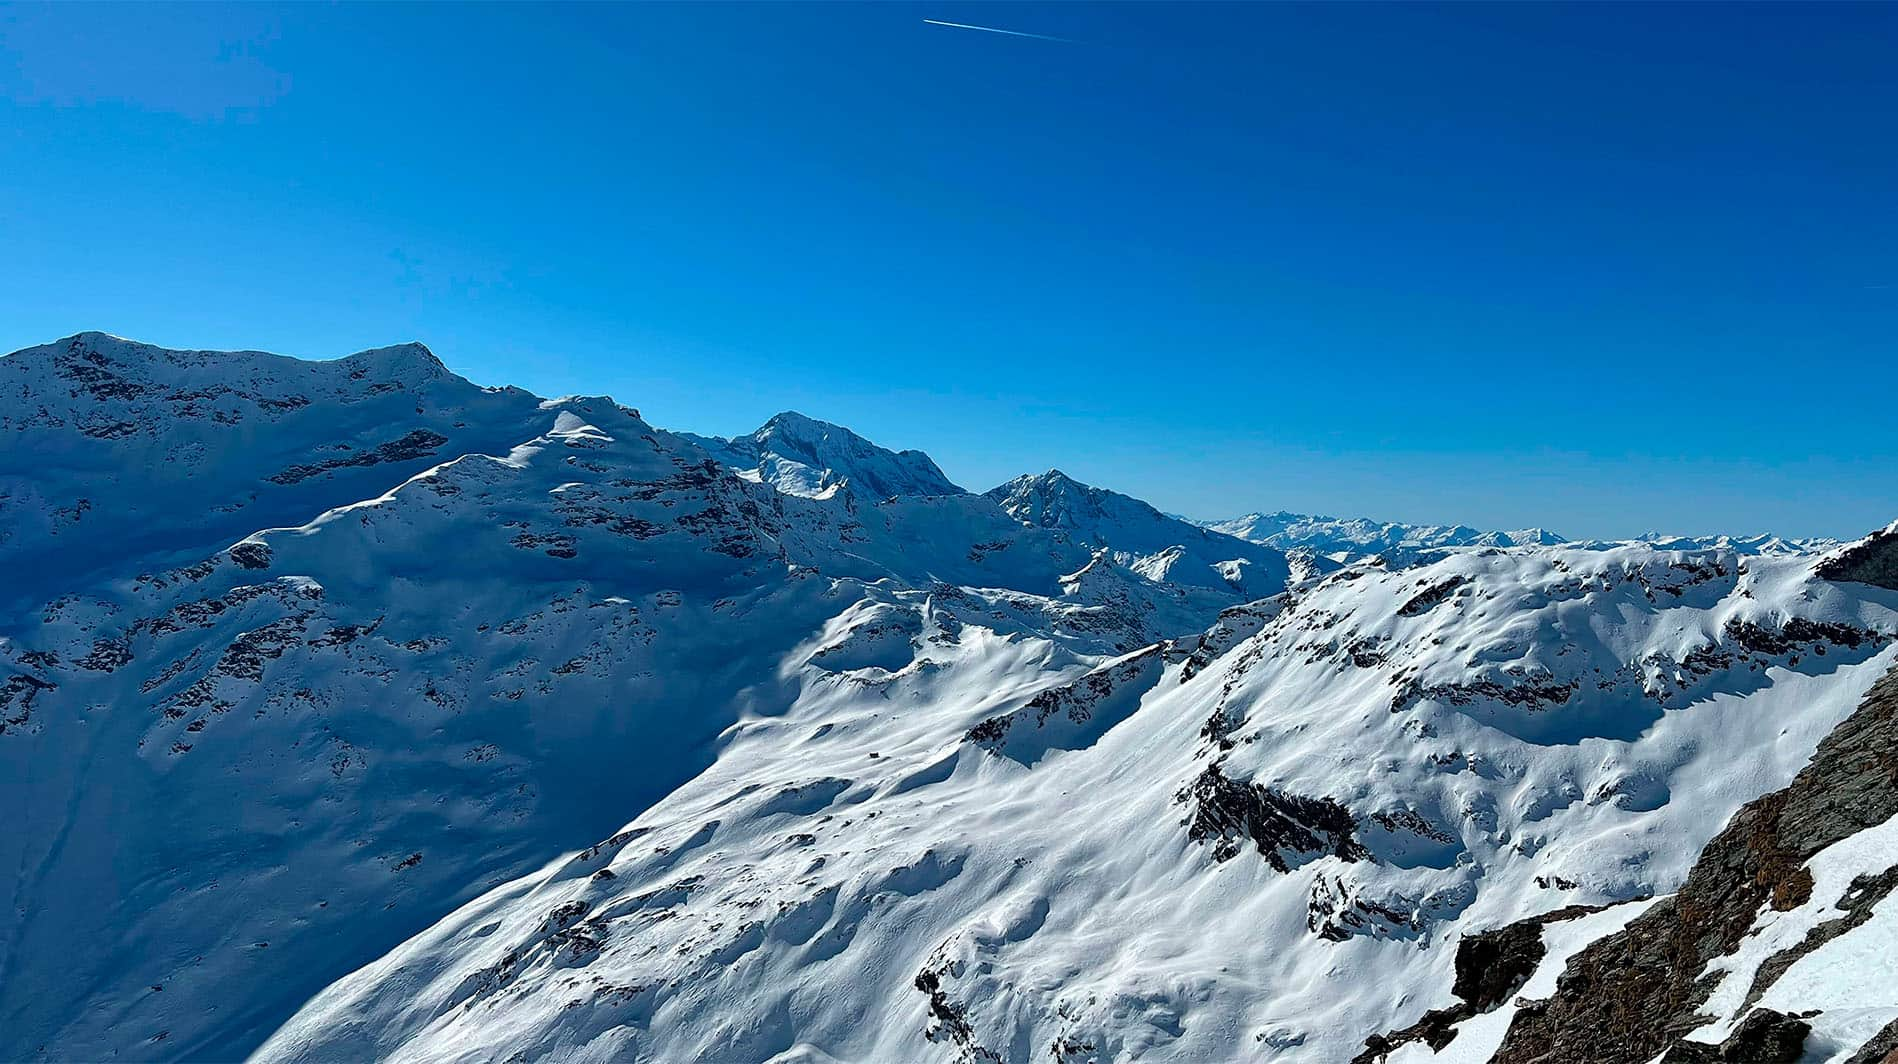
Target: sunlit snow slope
(1273,853)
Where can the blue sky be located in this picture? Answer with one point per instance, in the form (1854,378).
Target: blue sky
(1603,268)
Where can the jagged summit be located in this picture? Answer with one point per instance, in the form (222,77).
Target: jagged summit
(795,425)
(1141,537)
(801,455)
(1096,515)
(790,430)
(1055,500)
(408,361)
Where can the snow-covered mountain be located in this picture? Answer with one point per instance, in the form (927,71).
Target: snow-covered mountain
(1141,537)
(1760,543)
(564,737)
(803,456)
(120,455)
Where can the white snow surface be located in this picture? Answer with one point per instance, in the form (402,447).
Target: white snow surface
(562,738)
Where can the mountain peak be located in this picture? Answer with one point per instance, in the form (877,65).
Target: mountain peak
(797,423)
(1139,536)
(412,360)
(802,455)
(1055,479)
(1055,500)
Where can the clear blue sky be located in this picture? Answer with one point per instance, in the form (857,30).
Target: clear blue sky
(1604,268)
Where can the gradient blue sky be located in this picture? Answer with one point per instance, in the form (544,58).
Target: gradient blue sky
(1604,268)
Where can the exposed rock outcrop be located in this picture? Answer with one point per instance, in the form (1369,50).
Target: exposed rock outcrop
(1873,560)
(1490,967)
(1637,993)
(1230,811)
(1764,1037)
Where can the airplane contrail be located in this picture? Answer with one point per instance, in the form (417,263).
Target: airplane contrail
(992,29)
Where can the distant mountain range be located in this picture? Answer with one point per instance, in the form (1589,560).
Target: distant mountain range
(1363,537)
(1325,535)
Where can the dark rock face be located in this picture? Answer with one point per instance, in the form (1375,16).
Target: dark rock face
(16,699)
(1797,633)
(1430,597)
(1636,993)
(251,555)
(1336,911)
(1226,810)
(949,1023)
(1526,692)
(1764,1037)
(88,371)
(1875,562)
(421,443)
(1490,967)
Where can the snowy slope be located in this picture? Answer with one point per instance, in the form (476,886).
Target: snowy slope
(116,456)
(565,737)
(1272,851)
(399,697)
(1778,946)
